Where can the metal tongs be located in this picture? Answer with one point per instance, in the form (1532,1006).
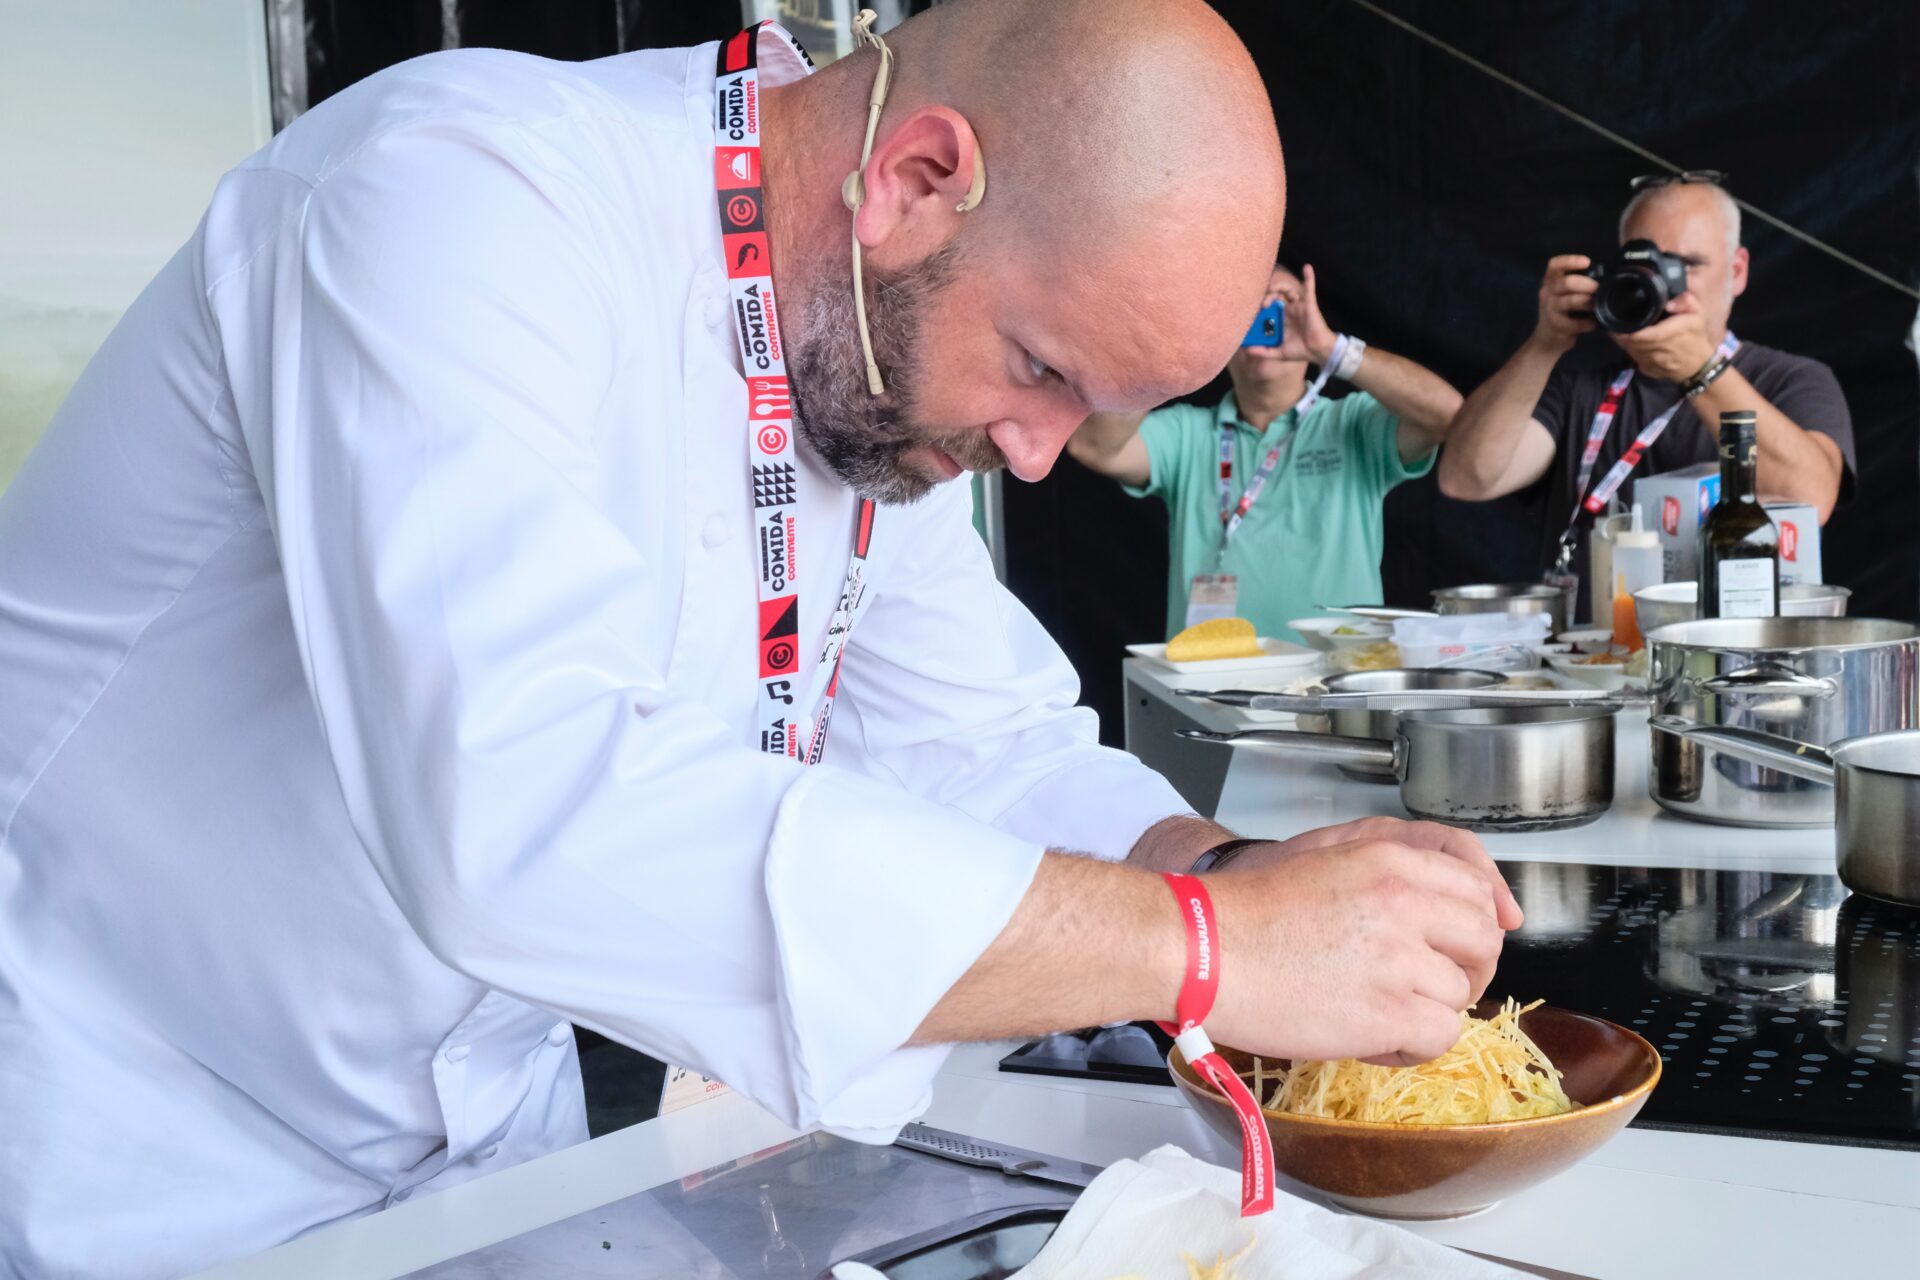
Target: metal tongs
(1419,699)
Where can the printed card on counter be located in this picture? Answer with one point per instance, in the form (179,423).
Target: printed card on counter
(685,1087)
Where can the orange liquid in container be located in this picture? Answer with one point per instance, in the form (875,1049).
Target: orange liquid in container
(1626,627)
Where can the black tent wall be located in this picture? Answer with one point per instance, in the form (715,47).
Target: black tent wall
(1428,196)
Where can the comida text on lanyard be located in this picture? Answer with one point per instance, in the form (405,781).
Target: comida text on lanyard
(786,727)
(1595,502)
(1233,514)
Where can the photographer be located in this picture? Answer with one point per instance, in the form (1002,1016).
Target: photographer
(1538,420)
(1289,511)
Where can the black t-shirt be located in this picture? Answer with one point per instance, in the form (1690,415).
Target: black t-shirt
(1805,390)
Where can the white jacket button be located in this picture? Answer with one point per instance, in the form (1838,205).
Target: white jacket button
(560,1035)
(713,532)
(458,1052)
(490,1152)
(716,312)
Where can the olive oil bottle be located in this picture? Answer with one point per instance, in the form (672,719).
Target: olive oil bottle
(1739,546)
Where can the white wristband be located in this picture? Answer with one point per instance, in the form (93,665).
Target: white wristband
(1350,359)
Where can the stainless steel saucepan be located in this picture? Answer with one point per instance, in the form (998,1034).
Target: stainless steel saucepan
(1508,768)
(1817,680)
(1375,725)
(1876,805)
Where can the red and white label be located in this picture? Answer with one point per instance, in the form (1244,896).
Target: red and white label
(1789,540)
(1197,995)
(1670,516)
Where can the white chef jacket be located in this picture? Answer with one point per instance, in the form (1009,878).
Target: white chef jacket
(377,627)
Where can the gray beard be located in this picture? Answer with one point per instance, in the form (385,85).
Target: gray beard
(863,438)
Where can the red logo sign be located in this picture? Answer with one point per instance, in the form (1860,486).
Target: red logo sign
(1670,515)
(743,210)
(772,439)
(769,398)
(779,632)
(736,167)
(746,254)
(1789,540)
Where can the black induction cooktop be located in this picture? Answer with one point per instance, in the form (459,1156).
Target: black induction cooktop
(1782,1005)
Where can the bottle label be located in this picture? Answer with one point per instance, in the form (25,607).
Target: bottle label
(1747,588)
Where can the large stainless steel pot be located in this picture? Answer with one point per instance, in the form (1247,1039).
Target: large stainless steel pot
(1816,680)
(1670,602)
(1379,726)
(1508,597)
(1876,793)
(1530,768)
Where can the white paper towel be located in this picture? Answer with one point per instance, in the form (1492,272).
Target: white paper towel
(1138,1217)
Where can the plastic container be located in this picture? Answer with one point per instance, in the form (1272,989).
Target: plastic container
(1485,641)
(1638,563)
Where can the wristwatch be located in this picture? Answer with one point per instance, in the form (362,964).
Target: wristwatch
(1708,372)
(1220,855)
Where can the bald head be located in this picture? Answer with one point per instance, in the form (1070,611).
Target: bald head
(1103,115)
(1133,204)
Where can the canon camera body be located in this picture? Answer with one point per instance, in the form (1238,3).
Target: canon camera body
(1635,293)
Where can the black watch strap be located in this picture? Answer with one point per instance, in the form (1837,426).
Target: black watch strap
(1220,855)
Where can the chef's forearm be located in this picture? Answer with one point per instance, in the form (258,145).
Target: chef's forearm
(1091,942)
(1173,843)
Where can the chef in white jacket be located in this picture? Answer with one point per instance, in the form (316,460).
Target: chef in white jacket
(400,662)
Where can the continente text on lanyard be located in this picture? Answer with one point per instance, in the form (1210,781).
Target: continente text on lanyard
(786,727)
(1234,514)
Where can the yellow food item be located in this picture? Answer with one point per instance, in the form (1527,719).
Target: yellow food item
(1215,639)
(1348,631)
(1493,1072)
(1381,655)
(1222,1268)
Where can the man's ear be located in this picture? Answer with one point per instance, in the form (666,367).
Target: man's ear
(1740,262)
(921,179)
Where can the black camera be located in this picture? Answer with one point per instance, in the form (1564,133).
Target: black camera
(1635,294)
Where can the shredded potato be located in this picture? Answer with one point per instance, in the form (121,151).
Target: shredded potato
(1222,1268)
(1493,1072)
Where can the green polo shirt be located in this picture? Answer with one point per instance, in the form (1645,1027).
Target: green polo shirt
(1314,536)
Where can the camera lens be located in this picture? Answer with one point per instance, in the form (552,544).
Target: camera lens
(1632,298)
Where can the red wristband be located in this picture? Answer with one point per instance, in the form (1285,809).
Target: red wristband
(1197,994)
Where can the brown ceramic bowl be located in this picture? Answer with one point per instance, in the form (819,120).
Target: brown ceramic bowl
(1448,1171)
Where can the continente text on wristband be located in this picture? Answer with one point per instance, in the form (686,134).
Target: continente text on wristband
(1197,993)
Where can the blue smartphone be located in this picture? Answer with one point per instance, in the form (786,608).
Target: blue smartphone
(1269,327)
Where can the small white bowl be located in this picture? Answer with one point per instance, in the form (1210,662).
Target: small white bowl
(1610,676)
(1589,639)
(1318,633)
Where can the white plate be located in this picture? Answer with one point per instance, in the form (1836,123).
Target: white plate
(1277,655)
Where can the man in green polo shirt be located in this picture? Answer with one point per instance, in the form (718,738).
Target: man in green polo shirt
(1279,533)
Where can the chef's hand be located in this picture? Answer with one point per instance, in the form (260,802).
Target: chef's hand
(1674,349)
(1366,948)
(1451,841)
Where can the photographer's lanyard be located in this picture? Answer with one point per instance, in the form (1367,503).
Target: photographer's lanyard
(773,478)
(1233,514)
(1596,502)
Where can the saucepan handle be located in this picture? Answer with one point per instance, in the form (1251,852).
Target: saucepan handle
(1325,746)
(1788,755)
(1768,678)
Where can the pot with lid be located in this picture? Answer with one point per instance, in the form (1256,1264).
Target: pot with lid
(1507,597)
(1816,680)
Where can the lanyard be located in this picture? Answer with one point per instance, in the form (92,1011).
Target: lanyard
(1233,514)
(1596,502)
(770,452)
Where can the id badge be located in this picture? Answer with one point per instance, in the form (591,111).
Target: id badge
(1212,595)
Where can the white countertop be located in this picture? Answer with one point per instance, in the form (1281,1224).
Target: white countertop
(1649,1204)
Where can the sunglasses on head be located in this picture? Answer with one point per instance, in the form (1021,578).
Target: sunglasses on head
(1712,177)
